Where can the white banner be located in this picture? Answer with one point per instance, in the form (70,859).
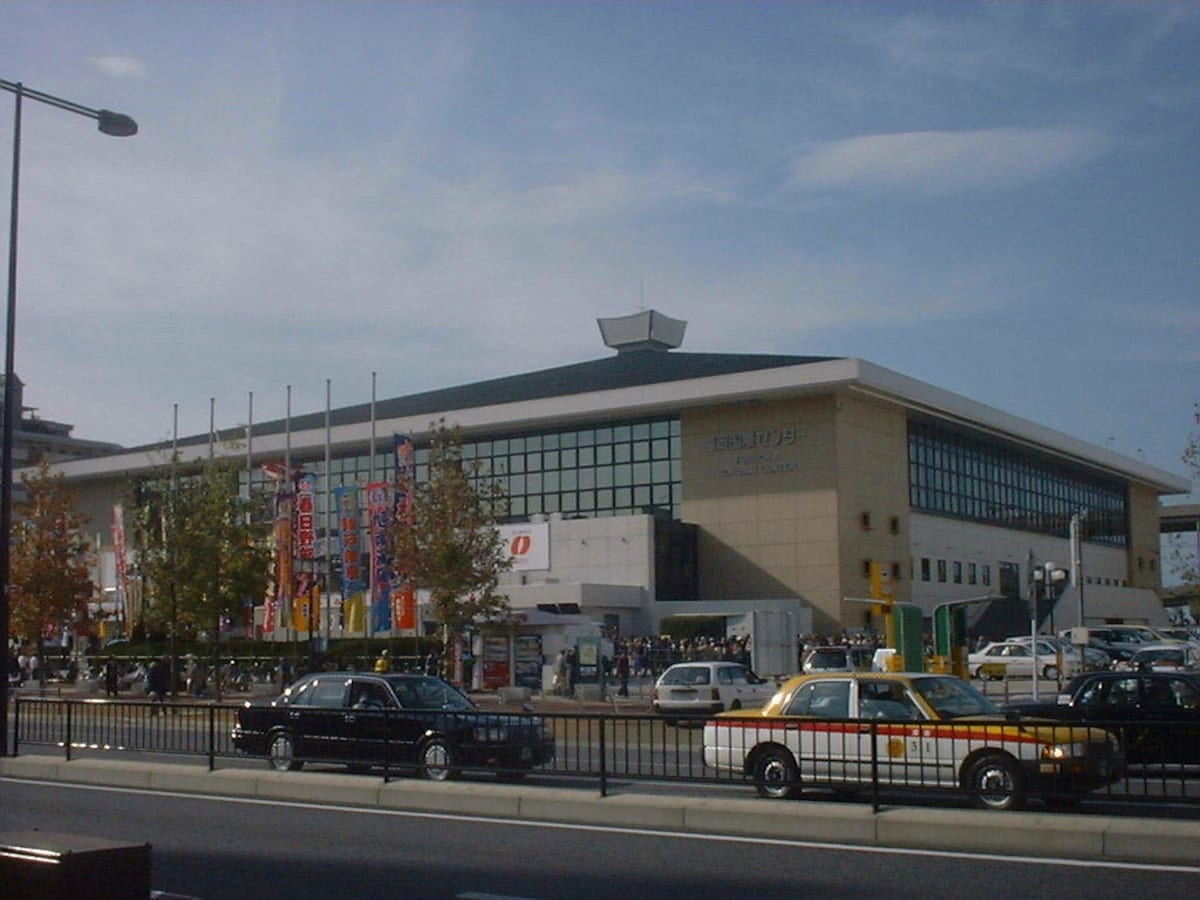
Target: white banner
(528,544)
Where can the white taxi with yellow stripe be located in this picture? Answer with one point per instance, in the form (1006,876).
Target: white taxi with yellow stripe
(897,729)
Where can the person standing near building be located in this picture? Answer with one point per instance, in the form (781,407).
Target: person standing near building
(623,672)
(561,673)
(112,678)
(383,664)
(157,682)
(572,670)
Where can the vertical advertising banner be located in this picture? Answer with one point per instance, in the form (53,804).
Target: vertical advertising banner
(122,562)
(305,615)
(306,517)
(404,595)
(379,514)
(346,501)
(276,608)
(404,606)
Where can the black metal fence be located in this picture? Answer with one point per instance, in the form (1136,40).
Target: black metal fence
(990,763)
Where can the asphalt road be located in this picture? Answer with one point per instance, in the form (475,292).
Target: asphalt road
(217,848)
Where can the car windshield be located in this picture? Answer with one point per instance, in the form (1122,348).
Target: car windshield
(429,693)
(687,675)
(953,698)
(829,657)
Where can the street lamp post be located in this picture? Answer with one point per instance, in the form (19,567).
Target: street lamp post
(110,123)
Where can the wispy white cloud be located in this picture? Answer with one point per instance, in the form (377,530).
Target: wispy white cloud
(119,66)
(943,161)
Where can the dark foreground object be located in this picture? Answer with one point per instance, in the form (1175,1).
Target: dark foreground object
(45,865)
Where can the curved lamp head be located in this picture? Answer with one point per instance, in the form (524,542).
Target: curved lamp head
(116,124)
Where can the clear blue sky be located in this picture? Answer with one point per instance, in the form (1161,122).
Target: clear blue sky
(1000,199)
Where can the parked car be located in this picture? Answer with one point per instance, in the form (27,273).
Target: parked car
(838,659)
(1180,633)
(701,688)
(1120,642)
(1016,657)
(1095,657)
(1171,656)
(1125,702)
(936,731)
(364,719)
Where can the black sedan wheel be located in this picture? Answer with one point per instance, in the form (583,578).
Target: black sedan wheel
(437,761)
(995,783)
(281,752)
(775,774)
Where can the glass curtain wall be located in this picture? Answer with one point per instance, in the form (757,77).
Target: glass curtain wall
(608,470)
(956,474)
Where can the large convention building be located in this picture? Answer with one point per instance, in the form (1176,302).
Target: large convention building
(655,482)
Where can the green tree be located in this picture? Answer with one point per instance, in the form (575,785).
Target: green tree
(447,541)
(1186,562)
(50,565)
(201,550)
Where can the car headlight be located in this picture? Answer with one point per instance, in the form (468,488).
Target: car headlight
(1062,751)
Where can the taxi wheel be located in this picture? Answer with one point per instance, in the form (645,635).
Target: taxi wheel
(281,752)
(995,783)
(437,761)
(1050,673)
(775,774)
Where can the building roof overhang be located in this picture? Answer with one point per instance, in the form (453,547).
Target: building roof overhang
(634,384)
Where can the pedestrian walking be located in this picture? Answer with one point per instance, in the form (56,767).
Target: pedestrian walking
(156,684)
(112,678)
(623,673)
(561,673)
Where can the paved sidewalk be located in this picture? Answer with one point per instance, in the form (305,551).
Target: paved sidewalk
(1029,834)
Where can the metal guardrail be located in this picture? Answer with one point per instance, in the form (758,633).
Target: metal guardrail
(871,757)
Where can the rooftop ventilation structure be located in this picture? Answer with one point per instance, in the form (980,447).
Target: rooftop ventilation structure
(647,330)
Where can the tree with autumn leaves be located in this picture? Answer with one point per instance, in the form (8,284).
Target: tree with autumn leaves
(445,538)
(201,553)
(50,568)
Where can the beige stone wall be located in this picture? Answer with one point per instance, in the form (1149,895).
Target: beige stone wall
(1145,564)
(873,511)
(778,490)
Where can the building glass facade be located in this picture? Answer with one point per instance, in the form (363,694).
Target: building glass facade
(618,469)
(952,473)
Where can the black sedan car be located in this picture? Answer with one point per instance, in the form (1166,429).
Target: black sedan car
(364,720)
(1156,714)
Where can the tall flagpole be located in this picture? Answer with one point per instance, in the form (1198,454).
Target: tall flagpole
(250,491)
(173,674)
(249,451)
(329,522)
(370,603)
(212,425)
(288,487)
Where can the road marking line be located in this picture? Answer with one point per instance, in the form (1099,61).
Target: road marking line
(620,830)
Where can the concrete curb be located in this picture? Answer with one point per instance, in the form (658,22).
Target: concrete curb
(1033,834)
